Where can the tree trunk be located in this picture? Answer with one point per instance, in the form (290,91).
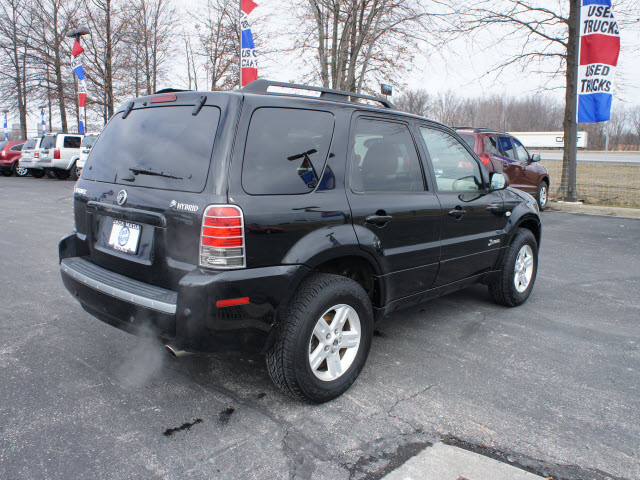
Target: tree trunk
(108,70)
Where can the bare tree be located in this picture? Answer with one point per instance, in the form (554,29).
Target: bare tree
(15,28)
(418,102)
(349,40)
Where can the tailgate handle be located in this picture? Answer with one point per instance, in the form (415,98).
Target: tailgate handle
(129,214)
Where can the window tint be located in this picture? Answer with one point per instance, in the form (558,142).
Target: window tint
(506,147)
(491,145)
(286,151)
(72,142)
(161,140)
(30,144)
(384,158)
(48,141)
(523,155)
(17,148)
(470,139)
(455,168)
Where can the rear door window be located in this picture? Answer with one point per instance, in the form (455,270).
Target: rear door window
(17,148)
(72,142)
(384,158)
(506,147)
(160,147)
(286,150)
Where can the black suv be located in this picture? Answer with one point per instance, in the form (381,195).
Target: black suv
(286,219)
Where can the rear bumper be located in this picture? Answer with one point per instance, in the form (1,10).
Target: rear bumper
(187,318)
(30,163)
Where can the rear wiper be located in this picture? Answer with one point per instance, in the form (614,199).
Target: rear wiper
(144,171)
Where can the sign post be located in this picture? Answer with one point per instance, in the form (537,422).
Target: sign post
(76,65)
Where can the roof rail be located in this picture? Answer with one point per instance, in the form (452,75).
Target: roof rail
(479,129)
(261,86)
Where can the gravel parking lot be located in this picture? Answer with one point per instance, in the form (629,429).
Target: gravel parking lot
(552,386)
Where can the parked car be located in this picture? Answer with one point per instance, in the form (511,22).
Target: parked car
(30,157)
(59,153)
(501,152)
(288,226)
(87,142)
(9,156)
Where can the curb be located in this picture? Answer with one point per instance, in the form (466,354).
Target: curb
(594,210)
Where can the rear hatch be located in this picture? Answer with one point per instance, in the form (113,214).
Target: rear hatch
(29,149)
(150,176)
(47,148)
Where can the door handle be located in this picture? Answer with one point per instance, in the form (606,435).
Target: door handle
(378,219)
(457,213)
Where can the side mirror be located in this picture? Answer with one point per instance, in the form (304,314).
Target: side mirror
(535,157)
(499,181)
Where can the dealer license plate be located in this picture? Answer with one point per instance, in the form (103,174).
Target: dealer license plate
(124,236)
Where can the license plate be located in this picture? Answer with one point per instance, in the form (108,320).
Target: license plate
(124,236)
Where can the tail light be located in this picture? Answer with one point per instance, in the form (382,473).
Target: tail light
(484,160)
(3,153)
(36,154)
(222,242)
(56,154)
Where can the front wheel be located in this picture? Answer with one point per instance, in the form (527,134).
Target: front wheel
(19,171)
(519,269)
(543,195)
(323,339)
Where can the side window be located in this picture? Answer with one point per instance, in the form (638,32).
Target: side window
(455,169)
(286,151)
(17,148)
(72,142)
(523,155)
(506,147)
(384,158)
(491,145)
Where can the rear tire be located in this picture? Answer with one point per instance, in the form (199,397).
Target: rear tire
(519,270)
(61,174)
(74,172)
(309,360)
(7,173)
(19,171)
(543,195)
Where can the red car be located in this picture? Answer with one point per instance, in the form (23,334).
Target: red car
(504,153)
(9,155)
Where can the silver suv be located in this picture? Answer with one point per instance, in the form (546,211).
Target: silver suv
(59,153)
(87,142)
(30,157)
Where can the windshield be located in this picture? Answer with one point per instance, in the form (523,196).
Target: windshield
(48,142)
(172,147)
(88,141)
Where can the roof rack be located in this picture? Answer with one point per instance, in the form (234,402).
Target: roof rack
(261,86)
(479,129)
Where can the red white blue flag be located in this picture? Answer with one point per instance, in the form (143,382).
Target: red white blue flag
(248,59)
(44,125)
(76,65)
(599,50)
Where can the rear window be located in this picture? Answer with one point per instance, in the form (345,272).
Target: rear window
(29,144)
(160,147)
(72,142)
(88,141)
(286,151)
(470,139)
(48,142)
(3,144)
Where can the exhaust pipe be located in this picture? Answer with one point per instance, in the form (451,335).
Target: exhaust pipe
(177,352)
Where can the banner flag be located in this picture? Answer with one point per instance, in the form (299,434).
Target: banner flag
(248,58)
(6,130)
(44,125)
(598,58)
(76,65)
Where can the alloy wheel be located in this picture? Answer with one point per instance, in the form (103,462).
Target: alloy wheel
(523,269)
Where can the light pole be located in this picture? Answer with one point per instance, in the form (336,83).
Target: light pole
(76,65)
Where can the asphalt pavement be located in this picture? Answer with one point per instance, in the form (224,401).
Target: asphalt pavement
(551,387)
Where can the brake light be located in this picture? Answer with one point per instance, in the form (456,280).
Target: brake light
(4,153)
(36,154)
(484,160)
(162,98)
(56,154)
(222,237)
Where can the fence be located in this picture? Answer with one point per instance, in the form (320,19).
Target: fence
(603,183)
